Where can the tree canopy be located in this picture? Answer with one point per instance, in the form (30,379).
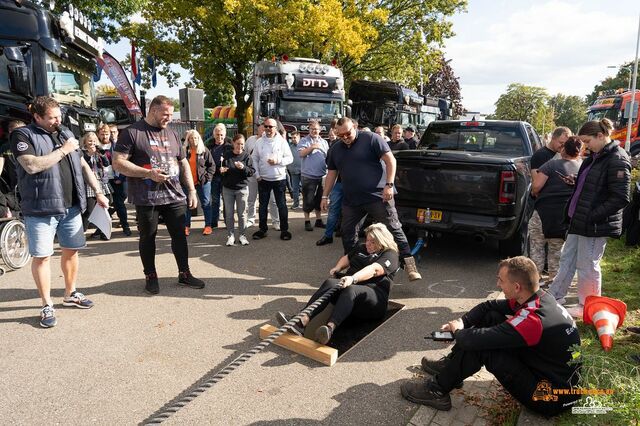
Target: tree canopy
(219,41)
(525,103)
(569,111)
(444,84)
(620,81)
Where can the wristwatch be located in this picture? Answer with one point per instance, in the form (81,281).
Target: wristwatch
(389,184)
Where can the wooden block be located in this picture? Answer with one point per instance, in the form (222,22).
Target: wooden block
(303,346)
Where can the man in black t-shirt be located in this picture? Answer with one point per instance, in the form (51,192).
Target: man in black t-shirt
(151,157)
(51,176)
(367,169)
(536,235)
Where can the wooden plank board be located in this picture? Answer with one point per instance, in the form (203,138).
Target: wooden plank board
(303,346)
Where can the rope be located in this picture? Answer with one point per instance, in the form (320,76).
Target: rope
(173,408)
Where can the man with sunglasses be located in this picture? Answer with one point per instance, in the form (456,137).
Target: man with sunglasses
(270,157)
(367,168)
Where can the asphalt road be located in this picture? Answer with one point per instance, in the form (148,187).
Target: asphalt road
(132,355)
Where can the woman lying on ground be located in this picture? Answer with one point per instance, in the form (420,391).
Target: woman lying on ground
(365,287)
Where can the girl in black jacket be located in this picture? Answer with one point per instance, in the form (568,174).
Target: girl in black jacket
(202,169)
(594,212)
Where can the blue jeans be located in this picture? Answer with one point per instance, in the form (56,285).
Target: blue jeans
(264,192)
(295,188)
(216,195)
(335,209)
(204,195)
(581,254)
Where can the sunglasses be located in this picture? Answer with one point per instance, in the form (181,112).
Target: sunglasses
(268,127)
(343,135)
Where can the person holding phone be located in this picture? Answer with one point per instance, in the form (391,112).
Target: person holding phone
(523,340)
(552,186)
(152,158)
(594,212)
(364,289)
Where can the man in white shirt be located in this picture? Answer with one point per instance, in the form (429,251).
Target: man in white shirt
(270,157)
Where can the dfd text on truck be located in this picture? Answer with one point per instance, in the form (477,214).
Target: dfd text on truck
(297,90)
(44,54)
(615,105)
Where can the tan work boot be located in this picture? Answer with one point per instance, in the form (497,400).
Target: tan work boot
(411,269)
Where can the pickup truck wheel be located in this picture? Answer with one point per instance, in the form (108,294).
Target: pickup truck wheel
(517,245)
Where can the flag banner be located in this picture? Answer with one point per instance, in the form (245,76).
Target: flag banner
(138,79)
(134,63)
(152,66)
(97,75)
(119,79)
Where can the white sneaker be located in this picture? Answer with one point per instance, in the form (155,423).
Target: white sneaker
(276,226)
(243,240)
(250,223)
(231,240)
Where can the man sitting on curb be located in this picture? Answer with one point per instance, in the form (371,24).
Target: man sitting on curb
(523,340)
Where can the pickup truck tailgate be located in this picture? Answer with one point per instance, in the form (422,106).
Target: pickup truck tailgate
(468,183)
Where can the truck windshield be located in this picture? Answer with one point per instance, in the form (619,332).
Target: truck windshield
(405,119)
(305,109)
(491,139)
(613,114)
(68,84)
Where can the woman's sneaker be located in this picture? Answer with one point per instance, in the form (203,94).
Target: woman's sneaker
(231,240)
(78,300)
(48,317)
(243,240)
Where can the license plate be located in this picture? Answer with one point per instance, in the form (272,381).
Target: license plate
(436,215)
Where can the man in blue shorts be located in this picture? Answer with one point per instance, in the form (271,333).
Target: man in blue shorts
(51,179)
(367,168)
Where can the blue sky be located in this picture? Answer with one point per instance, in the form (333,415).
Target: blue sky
(564,46)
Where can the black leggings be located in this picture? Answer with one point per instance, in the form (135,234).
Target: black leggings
(361,301)
(173,215)
(505,364)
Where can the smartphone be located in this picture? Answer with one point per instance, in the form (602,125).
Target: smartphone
(441,336)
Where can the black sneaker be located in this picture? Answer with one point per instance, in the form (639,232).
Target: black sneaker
(285,235)
(296,328)
(426,393)
(188,280)
(127,231)
(319,224)
(307,225)
(151,283)
(323,334)
(258,235)
(324,240)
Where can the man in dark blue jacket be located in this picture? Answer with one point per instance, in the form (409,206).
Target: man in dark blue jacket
(524,340)
(51,180)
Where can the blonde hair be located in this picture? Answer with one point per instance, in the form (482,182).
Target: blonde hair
(87,136)
(396,126)
(382,236)
(190,134)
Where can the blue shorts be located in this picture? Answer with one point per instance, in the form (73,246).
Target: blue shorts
(41,231)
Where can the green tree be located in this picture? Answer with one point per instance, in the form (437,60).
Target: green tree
(444,84)
(218,95)
(619,81)
(525,103)
(570,111)
(219,41)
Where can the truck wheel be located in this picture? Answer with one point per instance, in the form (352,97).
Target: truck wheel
(517,245)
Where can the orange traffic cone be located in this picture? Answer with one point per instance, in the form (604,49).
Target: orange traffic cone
(606,314)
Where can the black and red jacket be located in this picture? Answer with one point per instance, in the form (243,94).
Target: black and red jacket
(540,331)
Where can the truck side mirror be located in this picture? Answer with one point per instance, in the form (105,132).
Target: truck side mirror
(19,81)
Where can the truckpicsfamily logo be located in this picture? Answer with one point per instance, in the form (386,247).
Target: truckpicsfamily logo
(545,392)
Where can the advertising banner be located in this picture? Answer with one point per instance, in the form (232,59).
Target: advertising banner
(119,79)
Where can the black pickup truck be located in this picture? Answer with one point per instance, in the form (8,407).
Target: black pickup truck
(471,178)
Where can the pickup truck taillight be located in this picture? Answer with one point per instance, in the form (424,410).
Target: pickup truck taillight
(507,192)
